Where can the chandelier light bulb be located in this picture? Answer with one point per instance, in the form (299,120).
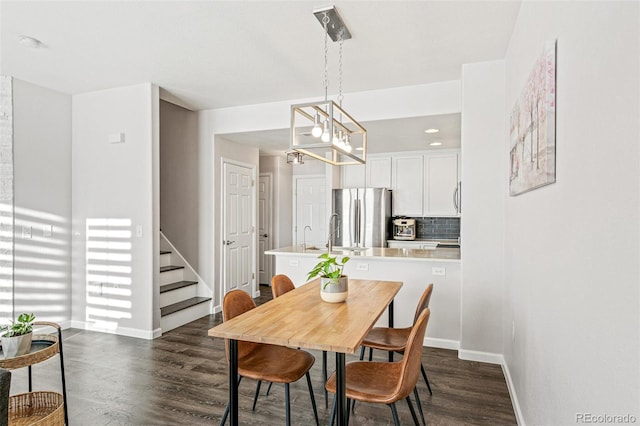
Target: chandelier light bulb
(347,143)
(326,137)
(316,132)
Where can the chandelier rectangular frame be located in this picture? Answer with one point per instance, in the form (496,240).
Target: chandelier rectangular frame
(339,122)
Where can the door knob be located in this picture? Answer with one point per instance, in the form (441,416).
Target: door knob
(264,235)
(228,242)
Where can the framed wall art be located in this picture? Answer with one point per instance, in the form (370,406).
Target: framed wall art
(533,127)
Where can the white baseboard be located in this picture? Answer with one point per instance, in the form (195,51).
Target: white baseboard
(512,393)
(120,331)
(488,357)
(433,342)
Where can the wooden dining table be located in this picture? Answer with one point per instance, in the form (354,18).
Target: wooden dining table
(301,319)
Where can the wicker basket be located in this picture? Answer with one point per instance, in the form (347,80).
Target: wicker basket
(36,408)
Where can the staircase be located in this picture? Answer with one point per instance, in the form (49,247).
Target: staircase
(182,298)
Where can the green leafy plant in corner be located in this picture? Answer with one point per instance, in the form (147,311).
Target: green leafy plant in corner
(24,325)
(328,267)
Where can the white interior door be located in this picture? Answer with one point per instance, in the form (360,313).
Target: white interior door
(265,237)
(238,229)
(311,210)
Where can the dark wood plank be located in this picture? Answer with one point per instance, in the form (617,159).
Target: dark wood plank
(181,379)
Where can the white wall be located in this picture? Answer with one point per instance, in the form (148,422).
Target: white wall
(179,180)
(483,185)
(572,248)
(282,198)
(115,195)
(42,185)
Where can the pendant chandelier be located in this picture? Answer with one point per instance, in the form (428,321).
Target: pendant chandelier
(323,129)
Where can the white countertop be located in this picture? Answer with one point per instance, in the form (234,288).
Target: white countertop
(377,253)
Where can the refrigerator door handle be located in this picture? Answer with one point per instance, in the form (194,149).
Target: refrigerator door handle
(358,221)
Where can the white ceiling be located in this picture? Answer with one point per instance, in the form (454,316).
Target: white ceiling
(214,54)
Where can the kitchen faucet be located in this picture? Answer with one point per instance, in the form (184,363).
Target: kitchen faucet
(304,236)
(331,231)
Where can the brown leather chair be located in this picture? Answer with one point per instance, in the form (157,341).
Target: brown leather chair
(386,382)
(260,361)
(395,340)
(281,284)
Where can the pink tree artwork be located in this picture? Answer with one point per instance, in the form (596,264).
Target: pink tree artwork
(532,127)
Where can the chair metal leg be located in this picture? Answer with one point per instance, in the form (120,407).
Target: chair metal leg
(255,396)
(324,379)
(332,416)
(348,410)
(269,388)
(287,405)
(362,349)
(396,421)
(413,412)
(370,354)
(426,380)
(226,410)
(415,393)
(313,399)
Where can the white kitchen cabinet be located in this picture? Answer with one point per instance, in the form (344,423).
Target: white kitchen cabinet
(353,176)
(376,173)
(441,190)
(379,172)
(408,185)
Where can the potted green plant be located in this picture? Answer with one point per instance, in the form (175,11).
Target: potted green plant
(16,338)
(333,285)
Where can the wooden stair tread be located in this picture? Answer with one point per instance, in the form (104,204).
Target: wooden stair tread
(165,252)
(171,309)
(176,285)
(170,268)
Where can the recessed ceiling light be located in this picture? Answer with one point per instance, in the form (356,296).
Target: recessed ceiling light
(432,130)
(29,42)
(435,143)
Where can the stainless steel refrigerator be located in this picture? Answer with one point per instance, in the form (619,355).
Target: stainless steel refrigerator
(364,217)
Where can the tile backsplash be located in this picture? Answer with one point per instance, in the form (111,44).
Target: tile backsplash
(437,227)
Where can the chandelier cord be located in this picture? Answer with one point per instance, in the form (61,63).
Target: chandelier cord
(325,22)
(341,40)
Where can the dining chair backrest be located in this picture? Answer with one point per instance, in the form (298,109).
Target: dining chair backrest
(237,302)
(424,302)
(412,359)
(280,284)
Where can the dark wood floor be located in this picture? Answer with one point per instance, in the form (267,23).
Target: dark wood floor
(181,379)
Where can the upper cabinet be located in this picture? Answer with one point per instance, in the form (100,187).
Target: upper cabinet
(424,184)
(379,172)
(353,176)
(375,173)
(407,185)
(442,186)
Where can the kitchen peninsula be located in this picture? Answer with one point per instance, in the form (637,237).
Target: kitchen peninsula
(414,267)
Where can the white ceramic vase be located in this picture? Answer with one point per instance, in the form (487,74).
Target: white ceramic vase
(334,290)
(16,346)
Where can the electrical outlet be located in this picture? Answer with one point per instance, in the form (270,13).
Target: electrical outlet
(439,270)
(293,262)
(362,266)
